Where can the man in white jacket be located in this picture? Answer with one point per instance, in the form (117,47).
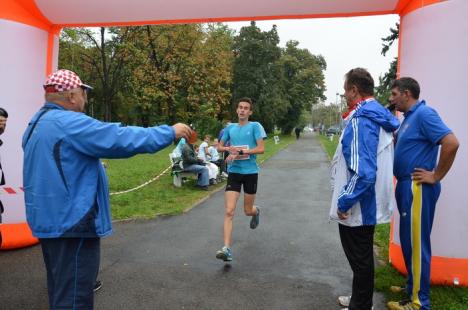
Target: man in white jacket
(362,182)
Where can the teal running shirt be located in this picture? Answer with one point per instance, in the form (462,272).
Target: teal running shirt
(244,137)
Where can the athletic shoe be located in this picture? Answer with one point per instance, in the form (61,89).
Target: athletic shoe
(97,286)
(224,254)
(255,219)
(224,175)
(397,289)
(344,300)
(402,305)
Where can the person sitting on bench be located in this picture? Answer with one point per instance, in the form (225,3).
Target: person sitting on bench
(193,164)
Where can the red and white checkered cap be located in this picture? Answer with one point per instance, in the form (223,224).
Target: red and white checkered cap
(63,80)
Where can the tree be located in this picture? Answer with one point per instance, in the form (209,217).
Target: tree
(181,72)
(382,92)
(257,74)
(303,82)
(101,62)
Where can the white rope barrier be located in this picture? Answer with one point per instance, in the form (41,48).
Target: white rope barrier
(152,180)
(144,184)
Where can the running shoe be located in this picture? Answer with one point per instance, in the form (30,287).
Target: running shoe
(402,305)
(255,219)
(344,300)
(97,286)
(224,254)
(397,289)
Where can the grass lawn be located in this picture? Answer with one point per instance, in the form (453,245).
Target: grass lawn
(442,297)
(160,197)
(328,145)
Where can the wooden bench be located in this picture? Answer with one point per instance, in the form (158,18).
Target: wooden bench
(177,171)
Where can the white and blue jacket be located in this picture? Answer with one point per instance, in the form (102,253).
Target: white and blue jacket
(362,168)
(65,186)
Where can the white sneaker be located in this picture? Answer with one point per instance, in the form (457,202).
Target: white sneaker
(344,301)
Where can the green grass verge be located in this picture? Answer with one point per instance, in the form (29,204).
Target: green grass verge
(329,145)
(442,297)
(160,197)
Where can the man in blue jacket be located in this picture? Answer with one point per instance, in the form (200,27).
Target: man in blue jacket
(65,184)
(359,143)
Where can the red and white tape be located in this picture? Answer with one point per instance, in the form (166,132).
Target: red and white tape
(11,190)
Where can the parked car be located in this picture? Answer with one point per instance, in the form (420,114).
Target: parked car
(333,130)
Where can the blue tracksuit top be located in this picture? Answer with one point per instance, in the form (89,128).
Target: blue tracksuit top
(63,177)
(418,140)
(359,144)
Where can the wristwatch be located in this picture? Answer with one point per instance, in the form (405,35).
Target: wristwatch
(241,152)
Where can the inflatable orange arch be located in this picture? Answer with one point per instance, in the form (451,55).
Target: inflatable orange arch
(427,51)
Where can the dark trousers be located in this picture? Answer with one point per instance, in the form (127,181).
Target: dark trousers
(72,266)
(358,244)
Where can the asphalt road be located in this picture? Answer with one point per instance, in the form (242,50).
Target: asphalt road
(293,260)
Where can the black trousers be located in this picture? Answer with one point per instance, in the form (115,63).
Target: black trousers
(358,244)
(72,266)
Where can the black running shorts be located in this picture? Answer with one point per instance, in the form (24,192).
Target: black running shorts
(248,181)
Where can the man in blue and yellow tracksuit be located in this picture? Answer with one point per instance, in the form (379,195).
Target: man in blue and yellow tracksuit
(65,185)
(418,188)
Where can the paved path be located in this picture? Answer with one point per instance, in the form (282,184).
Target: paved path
(293,260)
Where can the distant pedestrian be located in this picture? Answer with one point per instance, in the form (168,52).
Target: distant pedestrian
(297,130)
(193,163)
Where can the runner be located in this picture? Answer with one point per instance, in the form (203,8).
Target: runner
(246,141)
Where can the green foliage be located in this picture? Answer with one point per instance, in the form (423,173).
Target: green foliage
(207,126)
(382,92)
(256,74)
(193,73)
(329,145)
(328,115)
(153,74)
(283,83)
(303,82)
(390,39)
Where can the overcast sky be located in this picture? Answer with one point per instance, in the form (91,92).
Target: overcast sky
(344,42)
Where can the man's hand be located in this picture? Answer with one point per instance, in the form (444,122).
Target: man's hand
(182,131)
(230,158)
(233,150)
(342,215)
(423,176)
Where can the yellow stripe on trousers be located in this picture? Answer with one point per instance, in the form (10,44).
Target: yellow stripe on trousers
(416,240)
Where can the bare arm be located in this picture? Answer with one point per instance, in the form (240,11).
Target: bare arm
(221,147)
(259,149)
(449,147)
